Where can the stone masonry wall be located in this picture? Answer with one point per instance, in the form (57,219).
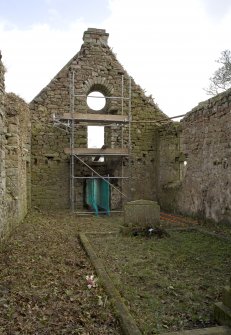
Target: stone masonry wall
(17,157)
(144,150)
(50,166)
(96,69)
(170,164)
(206,144)
(186,167)
(2,151)
(14,159)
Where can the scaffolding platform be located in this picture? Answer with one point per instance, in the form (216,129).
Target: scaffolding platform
(95,118)
(97,152)
(74,120)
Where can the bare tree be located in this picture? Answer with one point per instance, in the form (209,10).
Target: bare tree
(221,79)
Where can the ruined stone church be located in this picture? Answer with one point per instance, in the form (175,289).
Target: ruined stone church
(48,161)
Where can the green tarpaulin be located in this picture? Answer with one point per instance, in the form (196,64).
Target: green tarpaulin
(98,195)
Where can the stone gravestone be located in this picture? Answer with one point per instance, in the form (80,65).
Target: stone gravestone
(141,215)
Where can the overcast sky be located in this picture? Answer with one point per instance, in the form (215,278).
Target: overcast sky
(168,46)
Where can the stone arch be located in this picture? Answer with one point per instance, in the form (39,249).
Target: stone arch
(100,85)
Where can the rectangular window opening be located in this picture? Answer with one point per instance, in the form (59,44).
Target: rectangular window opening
(95,139)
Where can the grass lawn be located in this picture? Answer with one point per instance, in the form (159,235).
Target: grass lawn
(168,284)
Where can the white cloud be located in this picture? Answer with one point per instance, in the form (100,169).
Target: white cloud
(33,57)
(169,48)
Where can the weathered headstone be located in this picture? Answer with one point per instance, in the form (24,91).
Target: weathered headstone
(141,214)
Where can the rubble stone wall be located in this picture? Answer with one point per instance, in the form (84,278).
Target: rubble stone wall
(17,157)
(14,159)
(184,166)
(2,152)
(170,165)
(96,69)
(206,144)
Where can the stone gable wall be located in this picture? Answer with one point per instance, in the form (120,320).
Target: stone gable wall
(96,68)
(185,166)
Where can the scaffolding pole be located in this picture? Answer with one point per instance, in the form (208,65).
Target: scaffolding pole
(72,141)
(89,167)
(122,131)
(129,136)
(96,177)
(72,126)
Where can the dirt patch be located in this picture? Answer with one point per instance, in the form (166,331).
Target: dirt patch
(43,287)
(169,220)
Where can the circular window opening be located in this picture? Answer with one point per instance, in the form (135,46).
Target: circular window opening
(96,101)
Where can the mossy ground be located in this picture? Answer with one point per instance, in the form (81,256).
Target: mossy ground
(171,283)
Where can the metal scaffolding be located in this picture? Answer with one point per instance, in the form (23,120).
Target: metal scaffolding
(74,119)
